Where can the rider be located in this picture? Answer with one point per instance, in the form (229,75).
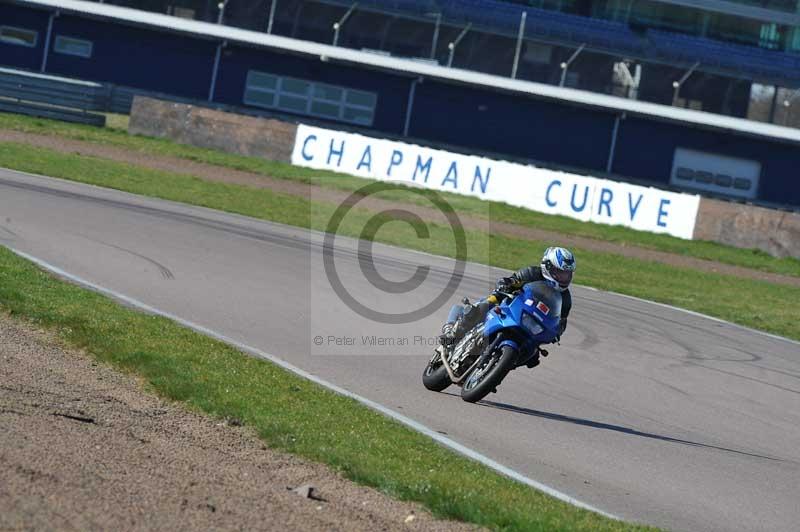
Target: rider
(556,269)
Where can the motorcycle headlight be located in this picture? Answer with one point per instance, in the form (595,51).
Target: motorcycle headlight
(533,326)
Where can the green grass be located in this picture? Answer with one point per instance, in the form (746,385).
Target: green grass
(117,122)
(775,309)
(116,136)
(287,412)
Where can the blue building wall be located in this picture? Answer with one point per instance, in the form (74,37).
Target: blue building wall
(29,58)
(645,149)
(476,118)
(136,57)
(510,124)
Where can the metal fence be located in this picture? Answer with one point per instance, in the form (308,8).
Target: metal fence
(65,99)
(52,97)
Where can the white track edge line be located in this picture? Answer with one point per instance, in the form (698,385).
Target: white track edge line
(415,425)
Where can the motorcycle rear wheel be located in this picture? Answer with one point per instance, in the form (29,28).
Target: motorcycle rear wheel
(435,377)
(484,379)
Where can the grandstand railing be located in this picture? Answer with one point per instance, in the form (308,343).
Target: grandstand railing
(607,36)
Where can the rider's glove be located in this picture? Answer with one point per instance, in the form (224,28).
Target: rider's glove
(505,284)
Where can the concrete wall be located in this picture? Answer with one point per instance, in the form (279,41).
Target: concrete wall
(747,226)
(207,128)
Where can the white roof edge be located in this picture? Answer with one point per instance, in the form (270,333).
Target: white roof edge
(38,75)
(408,66)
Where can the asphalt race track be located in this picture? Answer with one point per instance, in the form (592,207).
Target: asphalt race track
(647,412)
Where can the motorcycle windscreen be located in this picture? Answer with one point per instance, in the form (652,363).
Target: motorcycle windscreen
(547,302)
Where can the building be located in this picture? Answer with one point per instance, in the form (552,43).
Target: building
(739,57)
(465,110)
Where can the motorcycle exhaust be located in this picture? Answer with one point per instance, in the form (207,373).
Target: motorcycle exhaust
(451,373)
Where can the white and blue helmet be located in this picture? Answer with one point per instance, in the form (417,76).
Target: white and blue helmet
(558,265)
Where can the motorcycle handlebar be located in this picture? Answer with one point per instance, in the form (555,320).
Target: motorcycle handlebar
(503,294)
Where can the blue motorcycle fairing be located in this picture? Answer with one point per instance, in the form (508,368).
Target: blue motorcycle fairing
(510,343)
(536,299)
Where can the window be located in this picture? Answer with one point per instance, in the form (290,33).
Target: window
(537,53)
(689,104)
(310,98)
(572,79)
(73,46)
(181,12)
(722,180)
(20,36)
(702,176)
(712,182)
(770,36)
(719,174)
(793,42)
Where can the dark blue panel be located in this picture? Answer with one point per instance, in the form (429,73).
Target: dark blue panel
(645,150)
(511,124)
(125,55)
(392,90)
(17,56)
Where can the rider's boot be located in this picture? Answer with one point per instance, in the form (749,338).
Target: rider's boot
(452,331)
(448,336)
(534,360)
(463,319)
(472,315)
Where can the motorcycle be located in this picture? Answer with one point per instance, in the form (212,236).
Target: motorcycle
(510,336)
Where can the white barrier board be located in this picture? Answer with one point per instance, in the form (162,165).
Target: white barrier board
(548,191)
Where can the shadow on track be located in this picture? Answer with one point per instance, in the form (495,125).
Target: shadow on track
(608,426)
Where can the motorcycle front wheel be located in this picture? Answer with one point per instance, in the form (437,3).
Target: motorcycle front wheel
(488,375)
(435,377)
